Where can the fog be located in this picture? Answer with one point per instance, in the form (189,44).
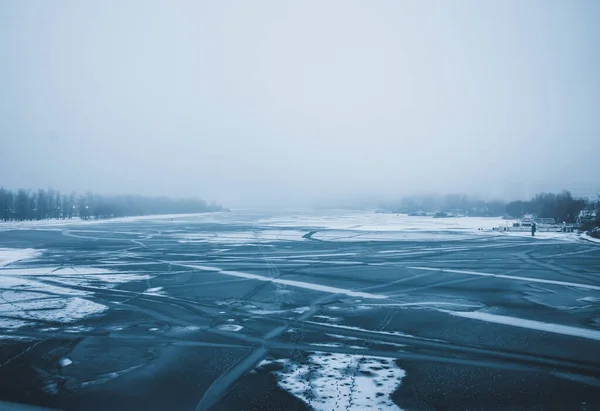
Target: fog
(276,103)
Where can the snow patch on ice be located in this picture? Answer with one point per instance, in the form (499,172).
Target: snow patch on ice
(65,362)
(230,327)
(332,381)
(155,291)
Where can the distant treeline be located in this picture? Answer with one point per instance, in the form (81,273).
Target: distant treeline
(42,204)
(561,206)
(450,203)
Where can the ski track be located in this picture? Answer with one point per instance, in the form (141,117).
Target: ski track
(529,324)
(511,277)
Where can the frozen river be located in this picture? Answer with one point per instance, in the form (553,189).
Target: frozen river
(304,310)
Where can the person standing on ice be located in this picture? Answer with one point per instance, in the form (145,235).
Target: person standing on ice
(533,229)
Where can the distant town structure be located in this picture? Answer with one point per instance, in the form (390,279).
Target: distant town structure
(586,215)
(527,220)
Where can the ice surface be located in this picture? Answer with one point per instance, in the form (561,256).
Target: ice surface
(343,226)
(341,381)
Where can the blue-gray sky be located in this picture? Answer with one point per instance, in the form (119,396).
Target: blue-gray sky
(259,102)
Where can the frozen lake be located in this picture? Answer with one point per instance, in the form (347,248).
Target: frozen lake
(302,310)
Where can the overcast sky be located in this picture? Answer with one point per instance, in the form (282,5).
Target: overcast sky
(281,102)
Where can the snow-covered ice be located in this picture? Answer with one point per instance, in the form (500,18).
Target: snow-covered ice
(12,255)
(76,222)
(86,276)
(369,221)
(62,310)
(332,381)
